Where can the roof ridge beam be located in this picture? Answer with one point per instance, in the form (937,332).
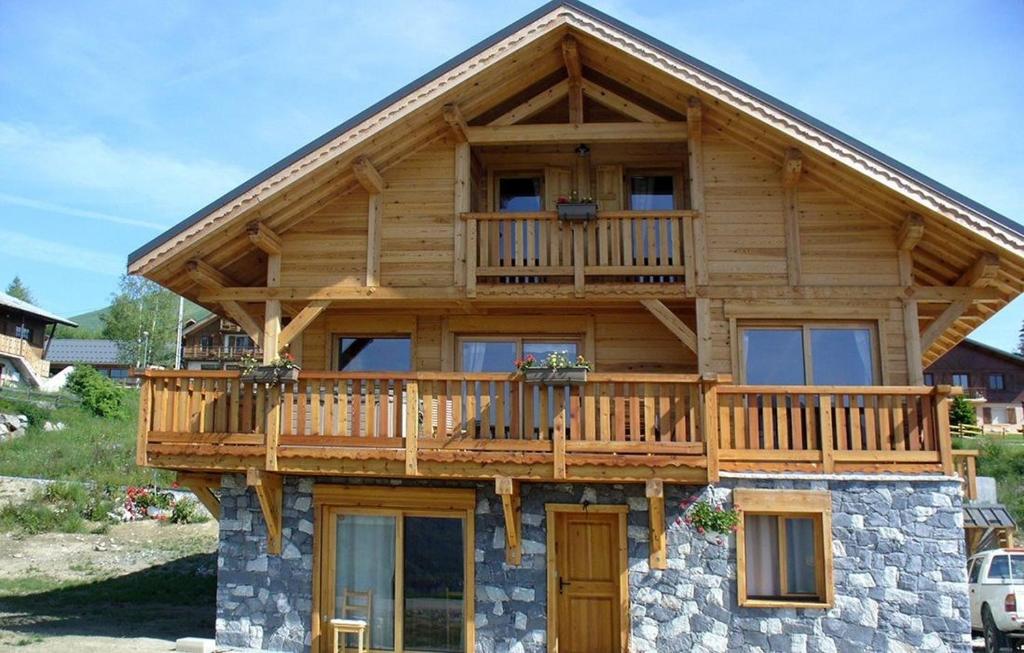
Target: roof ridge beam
(571,55)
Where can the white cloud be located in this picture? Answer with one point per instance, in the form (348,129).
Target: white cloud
(39,205)
(122,175)
(50,252)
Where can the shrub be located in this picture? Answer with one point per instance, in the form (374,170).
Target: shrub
(186,511)
(99,394)
(36,414)
(962,412)
(58,507)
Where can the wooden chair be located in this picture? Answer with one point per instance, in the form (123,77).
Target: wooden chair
(353,604)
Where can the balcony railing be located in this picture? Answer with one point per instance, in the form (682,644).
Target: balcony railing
(615,247)
(210,352)
(614,427)
(19,347)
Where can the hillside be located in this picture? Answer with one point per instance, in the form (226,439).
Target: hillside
(90,324)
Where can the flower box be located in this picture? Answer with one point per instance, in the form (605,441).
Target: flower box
(576,211)
(271,374)
(555,375)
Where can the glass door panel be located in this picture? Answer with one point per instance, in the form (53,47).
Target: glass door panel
(365,582)
(434,584)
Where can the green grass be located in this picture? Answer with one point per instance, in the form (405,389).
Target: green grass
(1003,461)
(90,448)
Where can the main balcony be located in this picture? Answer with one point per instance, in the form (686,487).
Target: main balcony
(615,427)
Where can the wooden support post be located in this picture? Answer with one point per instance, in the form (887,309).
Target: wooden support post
(145,414)
(202,486)
(912,334)
(374,218)
(943,436)
(470,246)
(792,166)
(671,322)
(709,422)
(273,426)
(463,164)
(828,459)
(689,256)
(705,363)
(571,55)
(971,478)
(272,313)
(511,504)
(301,320)
(453,116)
(268,489)
(412,427)
(577,259)
(695,147)
(909,236)
(655,491)
(558,445)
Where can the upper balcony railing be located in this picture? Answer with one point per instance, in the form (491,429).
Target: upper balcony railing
(614,247)
(19,347)
(614,427)
(212,352)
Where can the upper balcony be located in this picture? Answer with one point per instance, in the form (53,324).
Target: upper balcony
(221,353)
(615,427)
(19,347)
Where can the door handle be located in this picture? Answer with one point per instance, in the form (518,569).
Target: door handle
(562,584)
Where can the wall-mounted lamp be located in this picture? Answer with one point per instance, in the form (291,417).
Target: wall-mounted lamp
(583,150)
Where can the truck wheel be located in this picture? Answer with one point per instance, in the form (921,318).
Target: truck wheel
(995,640)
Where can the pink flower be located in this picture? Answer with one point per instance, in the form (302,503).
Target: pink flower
(679,520)
(700,529)
(688,521)
(734,529)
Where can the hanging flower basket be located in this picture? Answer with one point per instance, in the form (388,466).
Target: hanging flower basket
(556,375)
(577,211)
(271,374)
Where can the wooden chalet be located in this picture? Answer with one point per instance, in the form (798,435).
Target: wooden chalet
(758,295)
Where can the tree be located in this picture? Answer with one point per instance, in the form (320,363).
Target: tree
(17,288)
(962,412)
(1020,341)
(143,319)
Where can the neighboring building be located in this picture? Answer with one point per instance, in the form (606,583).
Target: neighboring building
(758,294)
(215,343)
(23,340)
(104,355)
(993,378)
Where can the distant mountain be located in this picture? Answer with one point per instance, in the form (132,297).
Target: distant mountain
(90,325)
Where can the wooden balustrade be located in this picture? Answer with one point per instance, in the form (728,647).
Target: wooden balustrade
(538,248)
(643,420)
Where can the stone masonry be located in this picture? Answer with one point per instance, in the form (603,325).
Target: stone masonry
(900,579)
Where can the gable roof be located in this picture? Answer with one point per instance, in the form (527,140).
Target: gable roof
(970,343)
(88,351)
(919,188)
(9,301)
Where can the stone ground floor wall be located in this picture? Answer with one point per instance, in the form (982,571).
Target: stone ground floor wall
(899,571)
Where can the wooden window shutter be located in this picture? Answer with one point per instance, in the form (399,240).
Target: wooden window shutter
(557,183)
(609,188)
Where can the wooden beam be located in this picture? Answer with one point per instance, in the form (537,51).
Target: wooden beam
(462,203)
(909,235)
(792,167)
(618,103)
(671,322)
(301,320)
(655,491)
(511,504)
(535,104)
(367,175)
(264,237)
(980,274)
(453,116)
(268,488)
(243,319)
(912,334)
(571,55)
(705,364)
(207,276)
(660,132)
(374,235)
(412,428)
(272,311)
(695,149)
(202,486)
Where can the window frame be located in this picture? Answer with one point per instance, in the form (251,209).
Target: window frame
(526,173)
(520,341)
(330,500)
(1002,381)
(966,375)
(928,378)
(813,504)
(336,338)
(677,184)
(805,328)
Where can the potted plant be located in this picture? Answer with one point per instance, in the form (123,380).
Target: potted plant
(281,369)
(555,369)
(575,208)
(710,517)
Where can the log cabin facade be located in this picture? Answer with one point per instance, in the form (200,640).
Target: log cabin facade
(757,293)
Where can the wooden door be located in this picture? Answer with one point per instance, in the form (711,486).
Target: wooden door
(588,582)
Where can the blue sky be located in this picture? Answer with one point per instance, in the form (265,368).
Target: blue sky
(119,119)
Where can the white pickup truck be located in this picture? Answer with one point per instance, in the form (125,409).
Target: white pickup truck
(996,585)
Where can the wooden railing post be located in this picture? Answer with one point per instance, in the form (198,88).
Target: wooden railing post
(577,258)
(412,426)
(943,437)
(558,447)
(709,423)
(272,426)
(828,461)
(145,410)
(470,247)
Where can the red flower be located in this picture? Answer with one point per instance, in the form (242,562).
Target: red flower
(700,529)
(175,486)
(679,521)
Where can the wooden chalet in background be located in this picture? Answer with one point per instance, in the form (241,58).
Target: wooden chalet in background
(758,294)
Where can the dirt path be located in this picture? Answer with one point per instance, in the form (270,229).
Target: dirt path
(134,589)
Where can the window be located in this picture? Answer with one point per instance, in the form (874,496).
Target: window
(236,341)
(500,354)
(1006,569)
(520,193)
(23,332)
(974,570)
(996,382)
(399,562)
(784,548)
(929,378)
(375,354)
(118,373)
(652,192)
(206,341)
(812,354)
(961,379)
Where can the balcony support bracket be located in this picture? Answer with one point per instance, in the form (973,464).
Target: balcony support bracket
(672,322)
(202,485)
(511,504)
(268,489)
(655,492)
